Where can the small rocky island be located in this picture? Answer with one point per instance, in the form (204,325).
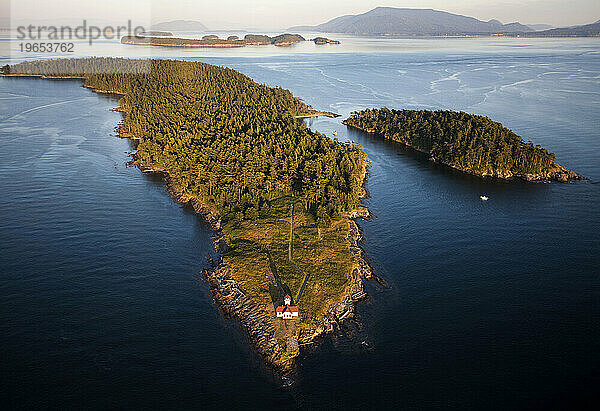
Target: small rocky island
(155,33)
(470,143)
(214,41)
(324,40)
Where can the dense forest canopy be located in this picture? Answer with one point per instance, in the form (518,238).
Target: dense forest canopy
(462,140)
(230,142)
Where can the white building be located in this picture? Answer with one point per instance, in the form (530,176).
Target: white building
(287,311)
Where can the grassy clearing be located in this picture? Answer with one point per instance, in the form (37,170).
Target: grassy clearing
(258,255)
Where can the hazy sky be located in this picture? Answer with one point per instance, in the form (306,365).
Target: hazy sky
(279,14)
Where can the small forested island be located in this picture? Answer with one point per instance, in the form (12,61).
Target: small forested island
(212,40)
(280,198)
(470,143)
(324,40)
(156,33)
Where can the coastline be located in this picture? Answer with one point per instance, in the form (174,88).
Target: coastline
(560,173)
(46,77)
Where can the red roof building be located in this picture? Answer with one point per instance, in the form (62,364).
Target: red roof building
(287,311)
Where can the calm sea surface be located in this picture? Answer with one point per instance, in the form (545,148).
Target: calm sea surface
(489,305)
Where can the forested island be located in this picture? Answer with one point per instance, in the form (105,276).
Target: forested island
(234,150)
(470,143)
(214,41)
(324,40)
(156,33)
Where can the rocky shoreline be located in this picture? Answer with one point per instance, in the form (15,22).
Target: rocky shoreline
(560,174)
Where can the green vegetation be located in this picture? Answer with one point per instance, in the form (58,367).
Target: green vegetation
(259,253)
(235,146)
(467,142)
(287,39)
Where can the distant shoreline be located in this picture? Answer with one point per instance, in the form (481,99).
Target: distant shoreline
(213,41)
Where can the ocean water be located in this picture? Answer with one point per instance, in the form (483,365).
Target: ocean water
(493,304)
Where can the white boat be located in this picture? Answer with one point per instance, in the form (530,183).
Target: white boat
(484,198)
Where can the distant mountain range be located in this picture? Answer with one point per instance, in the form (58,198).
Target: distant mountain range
(587,30)
(180,25)
(413,22)
(540,27)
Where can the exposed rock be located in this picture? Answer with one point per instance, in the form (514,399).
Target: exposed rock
(209,215)
(360,212)
(258,324)
(559,173)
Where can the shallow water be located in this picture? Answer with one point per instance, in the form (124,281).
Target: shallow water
(491,304)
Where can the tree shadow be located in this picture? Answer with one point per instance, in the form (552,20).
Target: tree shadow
(278,290)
